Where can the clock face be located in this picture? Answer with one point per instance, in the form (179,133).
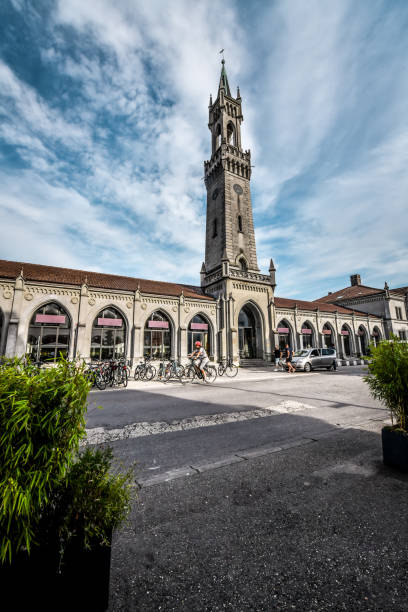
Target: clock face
(238,189)
(215,194)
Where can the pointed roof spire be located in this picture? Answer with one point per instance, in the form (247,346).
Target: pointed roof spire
(238,94)
(210,103)
(224,80)
(272,266)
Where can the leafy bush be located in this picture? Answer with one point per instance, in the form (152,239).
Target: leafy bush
(89,502)
(41,424)
(388,378)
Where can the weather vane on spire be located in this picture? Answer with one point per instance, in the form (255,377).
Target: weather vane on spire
(223,58)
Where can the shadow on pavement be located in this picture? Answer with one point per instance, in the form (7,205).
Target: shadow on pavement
(317,527)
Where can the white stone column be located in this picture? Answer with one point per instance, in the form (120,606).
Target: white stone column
(15,345)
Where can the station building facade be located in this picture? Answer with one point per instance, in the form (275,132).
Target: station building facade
(46,311)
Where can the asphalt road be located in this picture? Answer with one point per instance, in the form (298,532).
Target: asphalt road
(170,428)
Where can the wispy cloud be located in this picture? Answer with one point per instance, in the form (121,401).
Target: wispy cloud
(104,126)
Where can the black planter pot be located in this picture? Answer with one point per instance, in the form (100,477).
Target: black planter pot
(35,581)
(395,448)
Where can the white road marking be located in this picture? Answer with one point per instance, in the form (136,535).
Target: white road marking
(98,435)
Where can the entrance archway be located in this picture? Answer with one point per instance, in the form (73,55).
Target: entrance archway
(284,335)
(346,335)
(363,339)
(249,333)
(376,336)
(328,336)
(307,335)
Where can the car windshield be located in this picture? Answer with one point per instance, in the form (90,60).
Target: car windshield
(300,353)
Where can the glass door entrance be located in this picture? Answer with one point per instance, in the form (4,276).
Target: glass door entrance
(247,334)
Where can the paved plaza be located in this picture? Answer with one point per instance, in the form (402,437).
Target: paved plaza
(265,492)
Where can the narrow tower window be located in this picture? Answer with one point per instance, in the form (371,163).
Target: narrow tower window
(218,137)
(214,233)
(243,264)
(230,134)
(239,223)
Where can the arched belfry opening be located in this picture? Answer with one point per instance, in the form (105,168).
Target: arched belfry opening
(250,333)
(231,137)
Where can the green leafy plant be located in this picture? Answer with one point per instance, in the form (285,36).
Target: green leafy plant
(41,424)
(90,502)
(388,378)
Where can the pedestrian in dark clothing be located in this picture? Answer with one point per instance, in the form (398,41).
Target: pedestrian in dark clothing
(288,355)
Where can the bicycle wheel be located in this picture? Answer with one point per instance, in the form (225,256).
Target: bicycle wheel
(190,372)
(180,372)
(168,370)
(210,373)
(149,373)
(231,370)
(136,375)
(221,369)
(100,381)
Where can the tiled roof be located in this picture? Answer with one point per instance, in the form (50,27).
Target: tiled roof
(322,306)
(400,290)
(66,276)
(348,293)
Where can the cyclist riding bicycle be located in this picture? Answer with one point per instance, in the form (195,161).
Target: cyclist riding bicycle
(200,358)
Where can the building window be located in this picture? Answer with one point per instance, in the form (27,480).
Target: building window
(108,335)
(398,312)
(231,134)
(49,333)
(328,336)
(345,333)
(239,223)
(243,265)
(214,232)
(402,334)
(307,336)
(284,334)
(198,331)
(157,336)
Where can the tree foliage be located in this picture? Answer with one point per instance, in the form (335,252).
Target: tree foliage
(388,378)
(41,424)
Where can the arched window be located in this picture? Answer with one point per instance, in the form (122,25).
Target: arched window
(345,334)
(231,134)
(217,137)
(108,335)
(198,330)
(307,335)
(284,336)
(157,336)
(239,223)
(243,265)
(328,336)
(376,336)
(49,333)
(362,334)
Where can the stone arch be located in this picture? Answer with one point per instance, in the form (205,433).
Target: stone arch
(192,333)
(158,345)
(376,335)
(48,334)
(250,325)
(109,333)
(308,335)
(285,334)
(347,340)
(363,338)
(217,137)
(329,339)
(231,134)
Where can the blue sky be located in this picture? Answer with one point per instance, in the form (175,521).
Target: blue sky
(103,134)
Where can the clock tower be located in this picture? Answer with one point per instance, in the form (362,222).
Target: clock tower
(230,270)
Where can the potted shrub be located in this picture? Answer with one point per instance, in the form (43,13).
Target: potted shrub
(58,506)
(388,381)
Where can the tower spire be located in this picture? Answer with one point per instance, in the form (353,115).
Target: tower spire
(224,80)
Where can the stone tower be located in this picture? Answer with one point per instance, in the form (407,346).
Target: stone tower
(230,229)
(230,271)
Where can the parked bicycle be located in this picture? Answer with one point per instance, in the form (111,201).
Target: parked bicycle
(193,372)
(144,370)
(226,366)
(174,370)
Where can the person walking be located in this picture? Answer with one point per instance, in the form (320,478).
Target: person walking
(288,356)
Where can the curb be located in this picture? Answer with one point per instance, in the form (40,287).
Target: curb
(192,470)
